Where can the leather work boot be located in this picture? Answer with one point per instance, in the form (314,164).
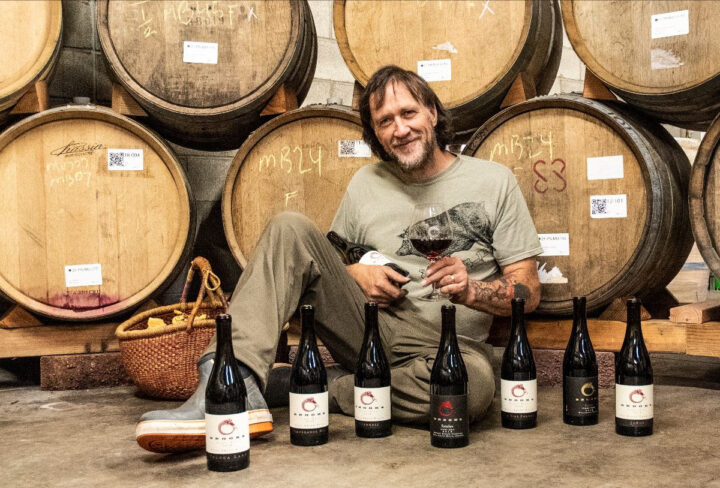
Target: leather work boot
(183,428)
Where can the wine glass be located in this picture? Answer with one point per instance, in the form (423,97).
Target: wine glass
(430,233)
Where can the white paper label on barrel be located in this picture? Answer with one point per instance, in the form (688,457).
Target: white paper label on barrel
(555,244)
(670,24)
(200,52)
(83,275)
(551,276)
(125,160)
(353,149)
(664,59)
(435,70)
(605,168)
(608,206)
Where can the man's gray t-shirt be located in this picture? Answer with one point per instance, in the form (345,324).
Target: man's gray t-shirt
(491,224)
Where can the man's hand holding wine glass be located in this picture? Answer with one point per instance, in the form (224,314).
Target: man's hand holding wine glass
(450,278)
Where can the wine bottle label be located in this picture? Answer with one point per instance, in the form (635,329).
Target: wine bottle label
(581,395)
(372,404)
(374,257)
(518,396)
(227,434)
(634,402)
(309,410)
(448,416)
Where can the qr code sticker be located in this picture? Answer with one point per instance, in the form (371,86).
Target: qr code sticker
(353,149)
(599,207)
(116,160)
(347,148)
(125,160)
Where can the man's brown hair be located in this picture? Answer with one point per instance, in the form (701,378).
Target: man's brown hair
(419,89)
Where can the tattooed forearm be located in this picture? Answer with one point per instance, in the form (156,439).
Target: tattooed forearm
(495,296)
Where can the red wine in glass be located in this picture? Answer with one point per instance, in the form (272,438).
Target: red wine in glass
(430,233)
(431,248)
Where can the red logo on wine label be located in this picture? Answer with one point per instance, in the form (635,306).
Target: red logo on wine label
(367,398)
(309,405)
(226,427)
(445,409)
(637,396)
(518,391)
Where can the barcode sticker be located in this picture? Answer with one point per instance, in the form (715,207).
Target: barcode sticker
(555,244)
(608,206)
(605,168)
(353,149)
(200,52)
(125,160)
(670,24)
(435,70)
(83,275)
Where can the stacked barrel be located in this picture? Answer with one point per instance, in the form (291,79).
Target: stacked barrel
(205,71)
(30,36)
(101,216)
(469,52)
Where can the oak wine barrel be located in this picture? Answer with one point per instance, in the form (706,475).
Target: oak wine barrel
(205,70)
(607,190)
(97,214)
(469,52)
(705,197)
(662,57)
(31,38)
(300,161)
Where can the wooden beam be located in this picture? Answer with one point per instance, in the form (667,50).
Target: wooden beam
(123,103)
(35,100)
(596,89)
(58,339)
(606,335)
(703,339)
(283,101)
(357,94)
(696,313)
(523,88)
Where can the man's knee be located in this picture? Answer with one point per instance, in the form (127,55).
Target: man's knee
(481,385)
(293,223)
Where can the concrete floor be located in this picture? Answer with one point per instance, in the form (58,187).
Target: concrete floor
(86,438)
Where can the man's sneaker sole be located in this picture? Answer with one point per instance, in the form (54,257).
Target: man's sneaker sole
(169,436)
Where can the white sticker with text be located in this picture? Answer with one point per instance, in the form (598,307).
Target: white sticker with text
(608,206)
(353,149)
(605,168)
(125,160)
(83,275)
(555,244)
(670,24)
(200,52)
(435,70)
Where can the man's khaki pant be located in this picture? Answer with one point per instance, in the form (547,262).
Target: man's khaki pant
(294,264)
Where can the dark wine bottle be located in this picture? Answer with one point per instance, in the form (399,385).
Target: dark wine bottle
(372,382)
(633,379)
(449,423)
(308,388)
(518,381)
(356,253)
(227,428)
(580,372)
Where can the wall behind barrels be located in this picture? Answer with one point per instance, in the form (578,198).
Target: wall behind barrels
(81,71)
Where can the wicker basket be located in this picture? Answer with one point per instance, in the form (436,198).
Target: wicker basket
(163,362)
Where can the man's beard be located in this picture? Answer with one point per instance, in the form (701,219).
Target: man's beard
(420,162)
